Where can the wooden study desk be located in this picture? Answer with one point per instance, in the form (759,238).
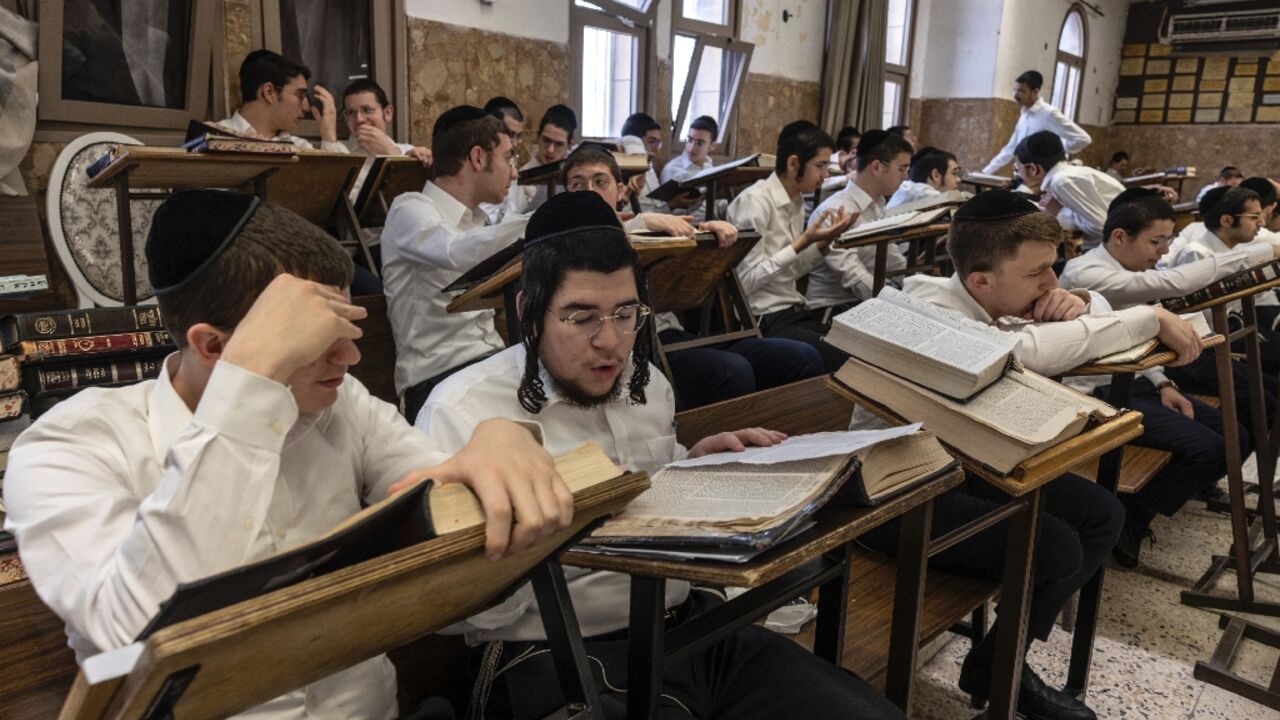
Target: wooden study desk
(923,241)
(314,185)
(711,184)
(819,557)
(1025,484)
(389,177)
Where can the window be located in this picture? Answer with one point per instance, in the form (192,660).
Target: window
(610,40)
(1068,72)
(139,64)
(708,66)
(897,61)
(339,40)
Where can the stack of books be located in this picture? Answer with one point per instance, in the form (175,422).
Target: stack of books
(52,355)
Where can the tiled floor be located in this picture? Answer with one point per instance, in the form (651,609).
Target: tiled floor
(1147,643)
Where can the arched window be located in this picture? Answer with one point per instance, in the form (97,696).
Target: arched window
(1068,74)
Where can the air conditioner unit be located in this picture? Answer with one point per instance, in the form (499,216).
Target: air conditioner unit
(1197,23)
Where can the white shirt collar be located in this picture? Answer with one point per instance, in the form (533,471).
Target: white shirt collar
(451,208)
(970,305)
(778,192)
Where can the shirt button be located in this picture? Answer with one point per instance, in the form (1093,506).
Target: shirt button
(277,427)
(248,523)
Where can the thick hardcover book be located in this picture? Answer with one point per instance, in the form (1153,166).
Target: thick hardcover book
(42,380)
(418,514)
(33,351)
(78,323)
(1237,282)
(213,138)
(12,404)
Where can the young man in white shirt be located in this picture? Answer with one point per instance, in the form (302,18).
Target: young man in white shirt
(1077,195)
(506,110)
(1003,250)
(555,140)
(786,251)
(845,276)
(581,372)
(368,113)
(1229,176)
(701,375)
(1123,270)
(698,146)
(1119,167)
(641,134)
(932,173)
(252,441)
(274,91)
(1037,115)
(434,236)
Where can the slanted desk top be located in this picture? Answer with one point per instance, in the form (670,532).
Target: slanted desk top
(1237,295)
(165,168)
(1155,359)
(894,236)
(834,527)
(1035,471)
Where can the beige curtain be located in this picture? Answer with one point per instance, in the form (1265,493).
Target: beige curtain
(853,76)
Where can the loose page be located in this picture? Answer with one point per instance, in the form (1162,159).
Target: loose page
(898,221)
(801,447)
(750,492)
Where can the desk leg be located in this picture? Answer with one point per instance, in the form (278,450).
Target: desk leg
(881,268)
(1091,593)
(645,656)
(565,639)
(711,201)
(1265,448)
(908,600)
(833,601)
(1015,600)
(124,218)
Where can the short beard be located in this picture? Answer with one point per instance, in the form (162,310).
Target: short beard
(575,397)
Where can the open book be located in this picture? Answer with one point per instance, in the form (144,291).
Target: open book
(895,224)
(731,506)
(417,514)
(675,188)
(987,180)
(214,138)
(1009,421)
(1145,348)
(924,343)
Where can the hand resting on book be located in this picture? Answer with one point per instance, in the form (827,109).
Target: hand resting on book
(514,479)
(736,441)
(1180,336)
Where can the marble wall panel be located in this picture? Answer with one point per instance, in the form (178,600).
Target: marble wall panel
(767,104)
(1207,147)
(238,43)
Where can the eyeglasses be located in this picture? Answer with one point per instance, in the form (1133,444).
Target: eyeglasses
(364,111)
(599,181)
(1251,216)
(904,169)
(627,319)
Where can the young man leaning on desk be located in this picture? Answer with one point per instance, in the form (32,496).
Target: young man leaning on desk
(1123,270)
(434,236)
(253,441)
(702,375)
(581,372)
(786,252)
(1003,249)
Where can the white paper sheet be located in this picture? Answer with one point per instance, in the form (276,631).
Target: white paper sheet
(802,447)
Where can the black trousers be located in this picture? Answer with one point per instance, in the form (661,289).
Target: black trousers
(807,326)
(1201,376)
(754,673)
(710,374)
(1078,527)
(1199,458)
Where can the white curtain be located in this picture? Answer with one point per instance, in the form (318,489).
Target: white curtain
(853,78)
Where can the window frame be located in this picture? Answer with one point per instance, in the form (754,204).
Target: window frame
(53,108)
(1072,61)
(901,74)
(388,50)
(616,18)
(725,36)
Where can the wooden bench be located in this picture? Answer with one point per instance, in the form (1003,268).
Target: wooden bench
(38,665)
(1138,466)
(950,600)
(376,369)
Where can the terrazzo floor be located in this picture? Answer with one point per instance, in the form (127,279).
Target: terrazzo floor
(1147,642)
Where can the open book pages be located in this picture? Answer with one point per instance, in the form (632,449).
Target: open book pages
(752,160)
(1143,349)
(631,163)
(895,224)
(1012,419)
(987,180)
(947,199)
(927,344)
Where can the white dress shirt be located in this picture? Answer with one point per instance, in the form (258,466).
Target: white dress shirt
(681,167)
(1048,348)
(118,495)
(429,240)
(1198,243)
(910,191)
(1085,194)
(637,437)
(524,199)
(353,146)
(769,271)
(1098,271)
(237,123)
(1040,116)
(847,275)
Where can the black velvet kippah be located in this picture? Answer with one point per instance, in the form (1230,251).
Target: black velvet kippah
(456,116)
(995,205)
(1211,200)
(568,214)
(1044,144)
(1131,194)
(869,140)
(190,230)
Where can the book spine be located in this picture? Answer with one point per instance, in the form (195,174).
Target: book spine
(79,323)
(41,381)
(38,350)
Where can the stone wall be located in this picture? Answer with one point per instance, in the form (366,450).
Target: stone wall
(973,128)
(767,103)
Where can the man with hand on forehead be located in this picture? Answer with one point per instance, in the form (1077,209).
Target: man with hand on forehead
(581,371)
(252,441)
